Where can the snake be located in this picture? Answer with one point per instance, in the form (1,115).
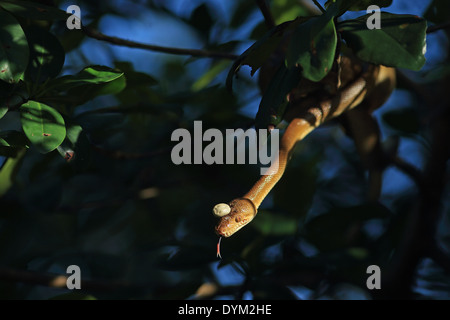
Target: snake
(369,87)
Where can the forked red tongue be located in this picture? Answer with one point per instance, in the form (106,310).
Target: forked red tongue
(218,248)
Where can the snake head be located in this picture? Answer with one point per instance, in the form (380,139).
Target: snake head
(240,212)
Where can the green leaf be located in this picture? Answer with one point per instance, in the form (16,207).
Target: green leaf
(89,75)
(14,51)
(43,125)
(3,110)
(209,76)
(46,55)
(285,10)
(188,257)
(260,52)
(87,92)
(405,120)
(336,228)
(274,100)
(202,20)
(401,41)
(73,132)
(438,11)
(34,11)
(241,13)
(263,289)
(135,78)
(11,97)
(12,142)
(296,201)
(9,171)
(275,224)
(87,84)
(82,94)
(313,46)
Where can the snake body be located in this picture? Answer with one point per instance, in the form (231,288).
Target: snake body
(371,86)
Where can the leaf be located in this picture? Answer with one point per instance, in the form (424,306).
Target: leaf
(46,55)
(9,171)
(201,20)
(14,51)
(403,37)
(313,46)
(275,224)
(89,83)
(66,148)
(12,101)
(135,78)
(260,52)
(11,96)
(89,75)
(286,10)
(3,110)
(188,257)
(81,147)
(73,133)
(264,289)
(241,13)
(43,125)
(405,120)
(296,201)
(438,11)
(12,142)
(274,100)
(34,11)
(209,76)
(335,229)
(87,92)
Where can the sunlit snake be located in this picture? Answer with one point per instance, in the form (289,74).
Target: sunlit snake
(369,88)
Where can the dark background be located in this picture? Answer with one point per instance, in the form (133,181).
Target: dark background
(141,227)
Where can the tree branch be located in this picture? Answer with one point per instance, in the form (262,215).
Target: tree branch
(58,280)
(419,233)
(440,257)
(438,27)
(124,155)
(319,6)
(95,34)
(410,171)
(265,10)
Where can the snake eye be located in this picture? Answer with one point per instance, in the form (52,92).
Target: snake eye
(238,219)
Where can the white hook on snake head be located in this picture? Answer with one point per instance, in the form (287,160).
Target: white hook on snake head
(221,209)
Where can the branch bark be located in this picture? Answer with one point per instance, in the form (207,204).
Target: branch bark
(438,27)
(265,10)
(418,239)
(59,281)
(95,34)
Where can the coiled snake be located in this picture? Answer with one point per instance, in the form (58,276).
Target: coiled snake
(366,87)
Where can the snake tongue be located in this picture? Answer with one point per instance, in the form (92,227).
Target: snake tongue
(218,248)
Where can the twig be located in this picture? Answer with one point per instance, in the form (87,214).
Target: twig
(419,233)
(438,27)
(319,6)
(265,10)
(115,109)
(440,257)
(124,155)
(58,280)
(410,171)
(95,34)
